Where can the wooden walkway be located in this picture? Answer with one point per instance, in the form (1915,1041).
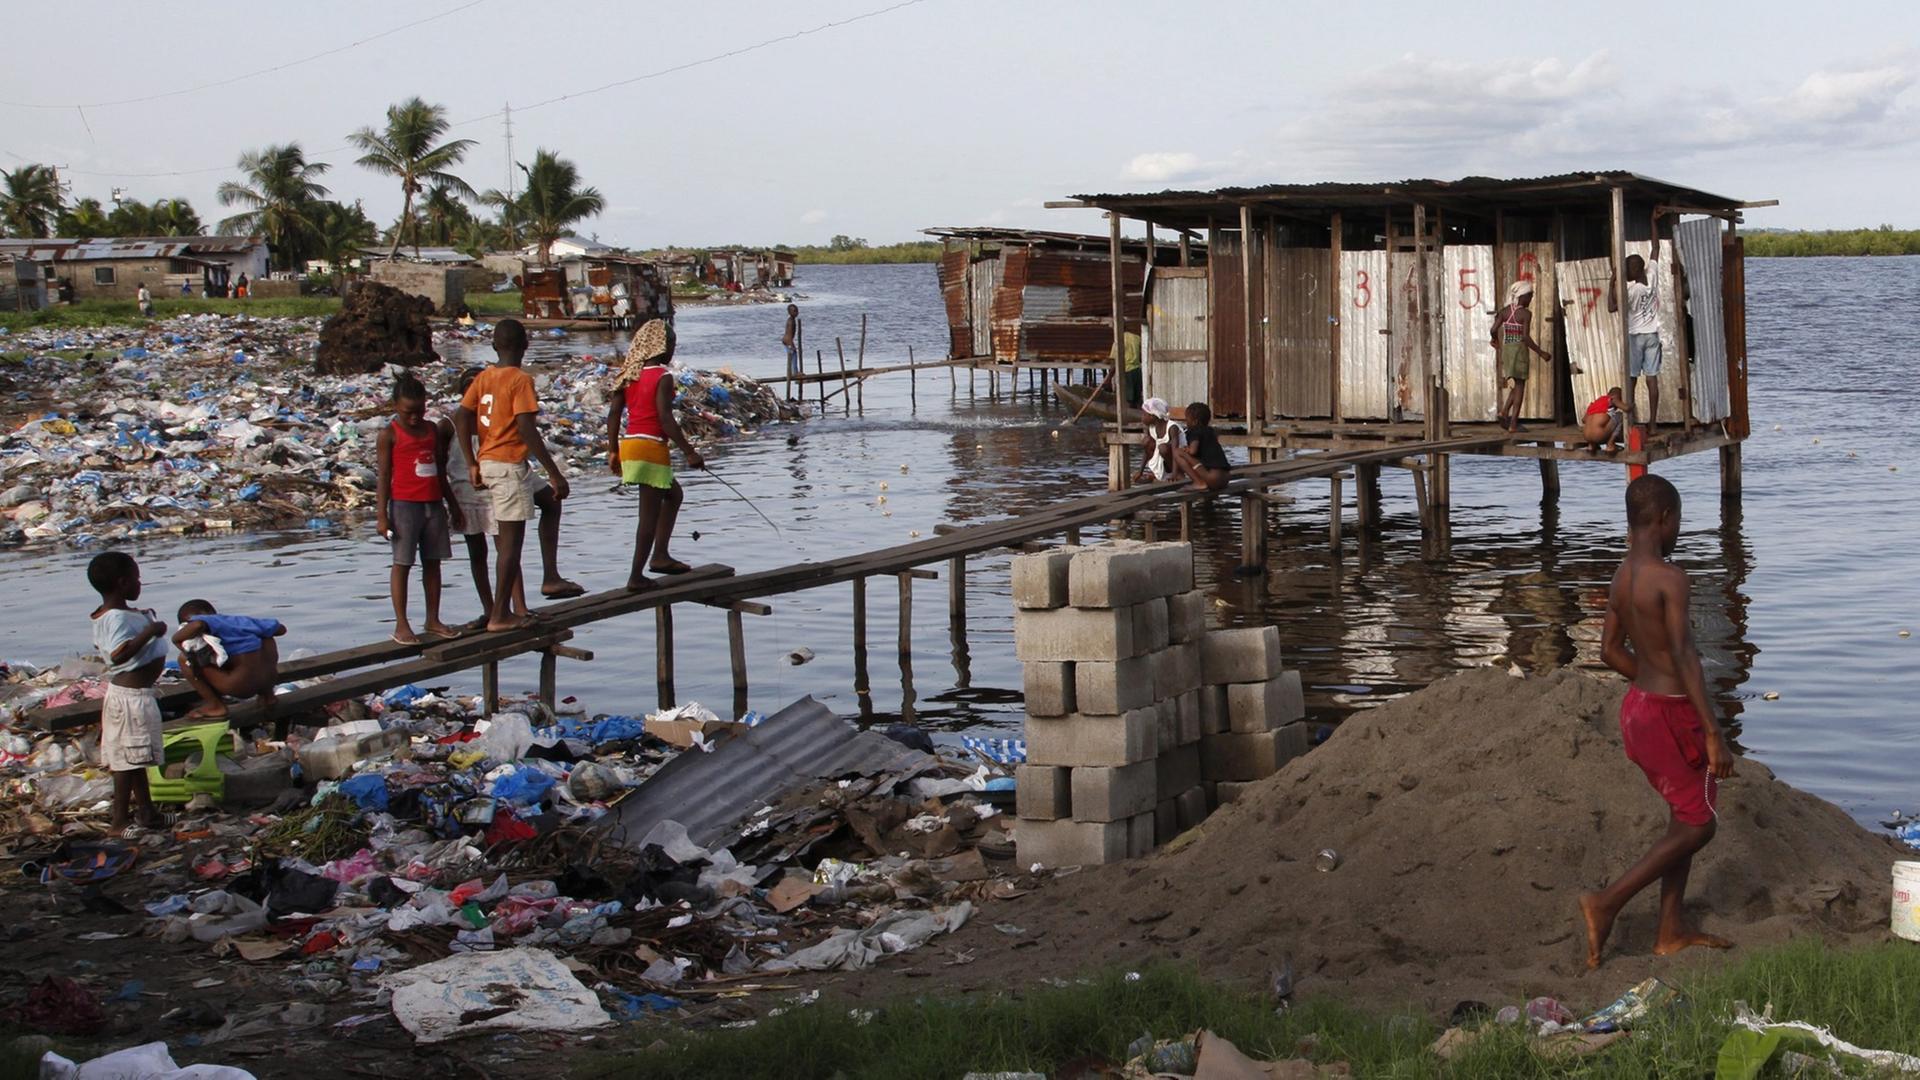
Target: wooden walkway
(368,669)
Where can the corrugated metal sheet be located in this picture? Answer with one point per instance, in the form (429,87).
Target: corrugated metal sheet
(713,794)
(1661,275)
(1699,241)
(1227,389)
(1176,340)
(1299,346)
(1466,305)
(1534,262)
(1363,346)
(1068,340)
(1593,332)
(984,279)
(953,290)
(1406,360)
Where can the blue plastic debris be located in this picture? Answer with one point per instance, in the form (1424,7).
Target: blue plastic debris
(524,786)
(402,696)
(247,494)
(1002,751)
(628,1007)
(368,791)
(172,904)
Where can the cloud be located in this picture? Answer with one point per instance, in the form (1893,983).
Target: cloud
(1163,168)
(813,217)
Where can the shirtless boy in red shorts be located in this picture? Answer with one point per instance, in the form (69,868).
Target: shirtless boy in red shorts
(1666,721)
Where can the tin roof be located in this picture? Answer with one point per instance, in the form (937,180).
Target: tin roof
(1469,194)
(1036,237)
(61,249)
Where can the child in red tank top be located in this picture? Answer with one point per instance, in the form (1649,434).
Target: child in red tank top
(637,450)
(412,503)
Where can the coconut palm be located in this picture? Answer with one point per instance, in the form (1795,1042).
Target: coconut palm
(29,200)
(279,194)
(131,217)
(410,148)
(86,217)
(176,217)
(443,214)
(554,200)
(342,232)
(510,213)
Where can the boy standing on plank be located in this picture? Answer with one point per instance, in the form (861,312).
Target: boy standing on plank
(133,643)
(498,410)
(1666,722)
(413,500)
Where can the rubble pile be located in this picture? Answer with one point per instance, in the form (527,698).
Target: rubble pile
(217,422)
(413,844)
(377,325)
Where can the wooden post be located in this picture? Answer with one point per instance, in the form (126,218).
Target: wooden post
(1253,530)
(846,399)
(1549,479)
(1149,528)
(860,684)
(1117,479)
(1073,536)
(820,372)
(1366,484)
(490,687)
(1333,517)
(1618,252)
(861,386)
(906,613)
(957,588)
(1186,248)
(1334,315)
(737,653)
(1186,521)
(913,382)
(663,653)
(548,677)
(1730,473)
(1256,403)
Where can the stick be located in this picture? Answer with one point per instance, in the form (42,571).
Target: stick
(1090,399)
(763,517)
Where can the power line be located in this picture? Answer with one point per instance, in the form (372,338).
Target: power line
(715,58)
(249,75)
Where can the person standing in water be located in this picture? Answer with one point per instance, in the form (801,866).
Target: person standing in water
(791,339)
(1513,337)
(1666,722)
(643,393)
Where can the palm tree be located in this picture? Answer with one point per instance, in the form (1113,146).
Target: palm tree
(554,200)
(131,217)
(343,232)
(86,217)
(510,213)
(477,237)
(410,149)
(176,217)
(29,199)
(279,194)
(443,213)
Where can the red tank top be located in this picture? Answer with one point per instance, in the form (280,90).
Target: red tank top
(642,417)
(416,473)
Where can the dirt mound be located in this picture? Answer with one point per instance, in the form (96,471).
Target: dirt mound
(1468,817)
(377,324)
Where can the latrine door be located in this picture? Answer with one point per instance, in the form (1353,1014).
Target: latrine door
(1412,341)
(1176,340)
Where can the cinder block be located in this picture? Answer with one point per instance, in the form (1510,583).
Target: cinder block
(1140,830)
(1166,821)
(1176,670)
(1172,566)
(1166,723)
(1049,687)
(1073,634)
(1177,769)
(1190,808)
(1266,705)
(1149,626)
(1112,687)
(1109,794)
(1186,616)
(1111,576)
(1069,843)
(1040,579)
(1213,710)
(1187,712)
(1243,655)
(1080,740)
(1041,792)
(1251,756)
(1226,791)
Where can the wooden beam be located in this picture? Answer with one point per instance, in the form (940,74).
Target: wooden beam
(1256,403)
(1119,335)
(663,653)
(1336,278)
(1618,253)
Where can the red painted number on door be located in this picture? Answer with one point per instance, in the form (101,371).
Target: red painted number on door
(1529,265)
(1362,289)
(1589,299)
(1468,285)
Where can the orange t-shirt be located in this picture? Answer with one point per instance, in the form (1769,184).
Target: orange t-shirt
(496,396)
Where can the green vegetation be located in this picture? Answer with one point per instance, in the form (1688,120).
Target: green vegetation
(29,199)
(554,201)
(688,289)
(495,303)
(1860,993)
(1885,240)
(280,197)
(409,147)
(846,249)
(127,313)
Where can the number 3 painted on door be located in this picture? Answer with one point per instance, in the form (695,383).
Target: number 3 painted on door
(1363,289)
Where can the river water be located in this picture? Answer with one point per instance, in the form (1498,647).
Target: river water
(1801,593)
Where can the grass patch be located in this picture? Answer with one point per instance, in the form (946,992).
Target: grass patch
(95,313)
(911,251)
(495,303)
(1885,240)
(1862,994)
(684,289)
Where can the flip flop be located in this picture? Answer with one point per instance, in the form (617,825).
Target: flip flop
(398,640)
(565,590)
(445,635)
(674,566)
(472,625)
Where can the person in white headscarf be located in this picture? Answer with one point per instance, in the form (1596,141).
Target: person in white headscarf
(1161,435)
(1513,338)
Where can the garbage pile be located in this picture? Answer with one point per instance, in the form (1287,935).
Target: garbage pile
(218,422)
(377,325)
(411,853)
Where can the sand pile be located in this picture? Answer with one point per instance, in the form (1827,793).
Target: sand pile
(1468,817)
(376,325)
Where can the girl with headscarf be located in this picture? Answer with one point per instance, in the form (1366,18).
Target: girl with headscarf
(637,453)
(1513,337)
(1161,436)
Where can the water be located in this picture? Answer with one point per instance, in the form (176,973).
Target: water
(1802,594)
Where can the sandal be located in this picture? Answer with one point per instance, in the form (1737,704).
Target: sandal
(671,566)
(563,591)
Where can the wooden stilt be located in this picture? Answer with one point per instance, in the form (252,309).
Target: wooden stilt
(490,687)
(1116,467)
(1334,514)
(906,613)
(1366,493)
(737,653)
(548,677)
(957,589)
(862,686)
(1186,506)
(1420,497)
(913,382)
(820,372)
(1549,479)
(1253,531)
(1073,536)
(1730,473)
(846,399)
(663,653)
(860,387)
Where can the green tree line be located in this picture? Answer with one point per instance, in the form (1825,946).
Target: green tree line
(852,249)
(1885,240)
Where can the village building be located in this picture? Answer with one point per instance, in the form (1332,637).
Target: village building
(115,268)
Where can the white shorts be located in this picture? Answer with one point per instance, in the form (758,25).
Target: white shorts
(130,735)
(511,485)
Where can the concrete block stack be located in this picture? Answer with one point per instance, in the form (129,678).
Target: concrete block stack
(1133,707)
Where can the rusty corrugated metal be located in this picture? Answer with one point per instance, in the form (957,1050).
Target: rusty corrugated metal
(1699,240)
(1364,380)
(1593,332)
(1406,360)
(1466,303)
(985,280)
(1299,346)
(1534,262)
(1175,346)
(953,290)
(1067,340)
(1227,389)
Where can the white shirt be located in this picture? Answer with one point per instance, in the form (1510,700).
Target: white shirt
(115,627)
(1643,306)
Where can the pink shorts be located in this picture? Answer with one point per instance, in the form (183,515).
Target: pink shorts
(1663,736)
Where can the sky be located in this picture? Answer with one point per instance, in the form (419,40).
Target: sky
(760,124)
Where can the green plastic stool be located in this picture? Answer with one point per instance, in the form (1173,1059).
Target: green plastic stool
(206,777)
